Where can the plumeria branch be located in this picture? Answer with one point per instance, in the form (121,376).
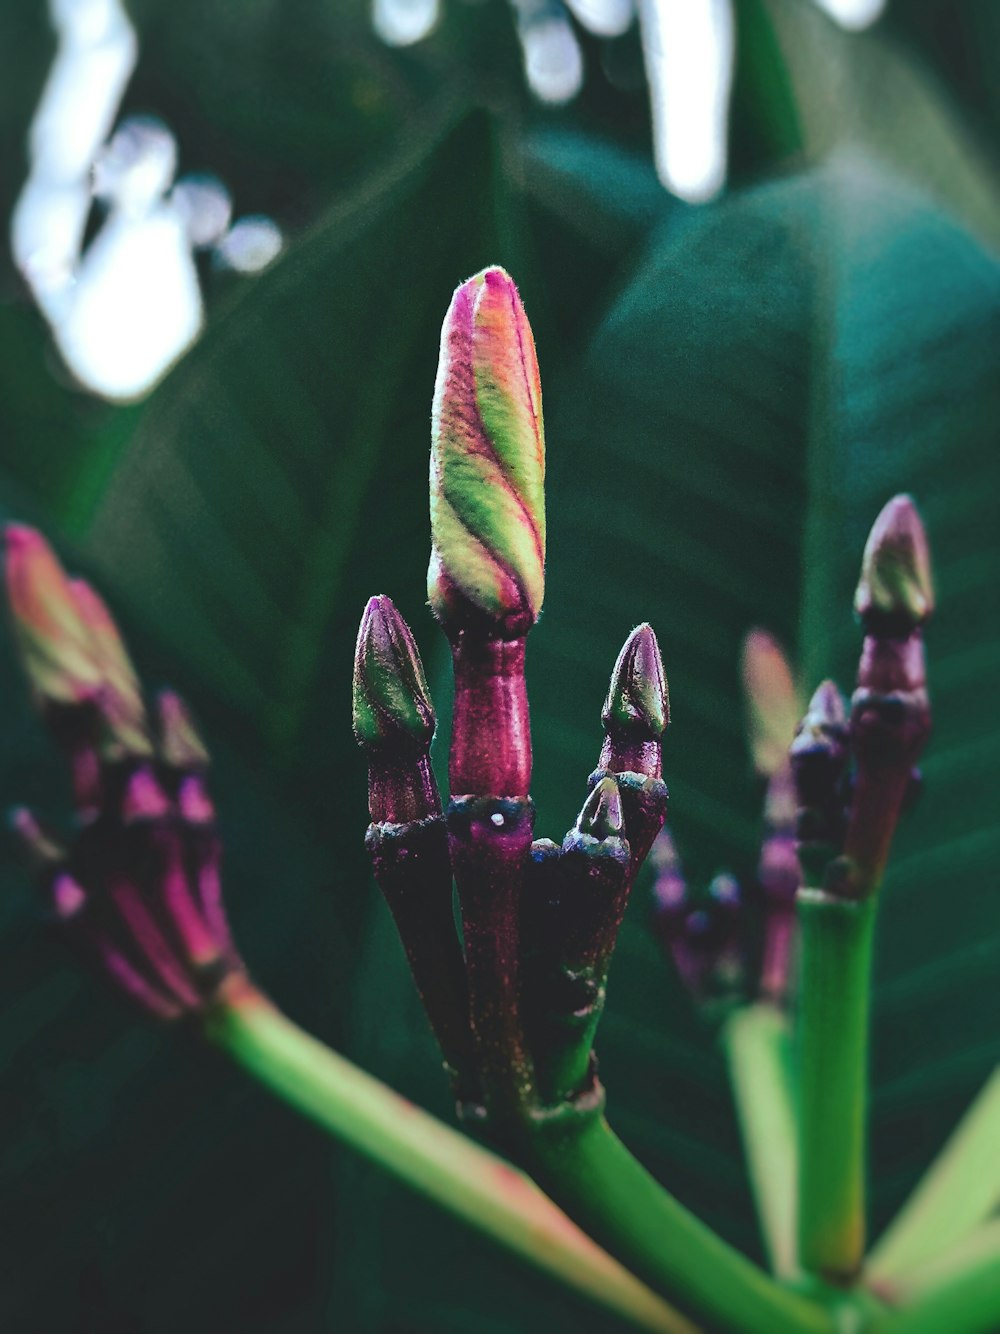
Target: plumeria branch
(137,889)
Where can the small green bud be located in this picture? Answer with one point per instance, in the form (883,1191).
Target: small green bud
(391,698)
(637,700)
(487,463)
(601,816)
(895,587)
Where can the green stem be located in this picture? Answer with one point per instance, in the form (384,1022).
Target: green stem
(483,1190)
(835,985)
(587,1169)
(756,1040)
(967,1302)
(960,1189)
(934,1271)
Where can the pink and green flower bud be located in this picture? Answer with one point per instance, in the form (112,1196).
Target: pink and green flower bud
(487,465)
(773,705)
(56,647)
(124,732)
(392,704)
(636,711)
(895,593)
(393,717)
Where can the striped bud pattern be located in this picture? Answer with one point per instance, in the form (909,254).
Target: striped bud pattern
(487,464)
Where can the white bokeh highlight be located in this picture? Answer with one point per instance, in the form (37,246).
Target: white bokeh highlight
(855,15)
(689,48)
(126,308)
(403,22)
(604,18)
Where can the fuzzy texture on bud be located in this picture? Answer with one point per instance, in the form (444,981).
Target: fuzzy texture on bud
(773,706)
(895,592)
(487,464)
(391,700)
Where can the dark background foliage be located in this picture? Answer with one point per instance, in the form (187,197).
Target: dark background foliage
(731,394)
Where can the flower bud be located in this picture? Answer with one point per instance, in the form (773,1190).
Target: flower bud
(895,593)
(637,696)
(392,703)
(773,708)
(487,464)
(180,744)
(56,647)
(122,711)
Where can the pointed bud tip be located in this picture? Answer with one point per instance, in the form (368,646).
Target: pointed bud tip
(773,707)
(637,697)
(895,585)
(391,697)
(827,705)
(601,815)
(181,745)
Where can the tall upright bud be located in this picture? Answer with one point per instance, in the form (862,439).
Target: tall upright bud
(393,716)
(637,709)
(635,715)
(890,709)
(486,575)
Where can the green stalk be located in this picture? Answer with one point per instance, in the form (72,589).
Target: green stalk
(587,1170)
(967,1302)
(835,954)
(934,1271)
(477,1186)
(959,1190)
(757,1043)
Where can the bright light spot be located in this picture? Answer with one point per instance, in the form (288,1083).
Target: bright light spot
(95,56)
(853,14)
(605,18)
(123,311)
(403,22)
(136,168)
(136,305)
(250,245)
(205,206)
(689,52)
(553,62)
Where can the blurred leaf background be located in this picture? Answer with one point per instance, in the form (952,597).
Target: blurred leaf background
(731,394)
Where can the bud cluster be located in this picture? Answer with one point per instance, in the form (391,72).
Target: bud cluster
(138,885)
(515,1000)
